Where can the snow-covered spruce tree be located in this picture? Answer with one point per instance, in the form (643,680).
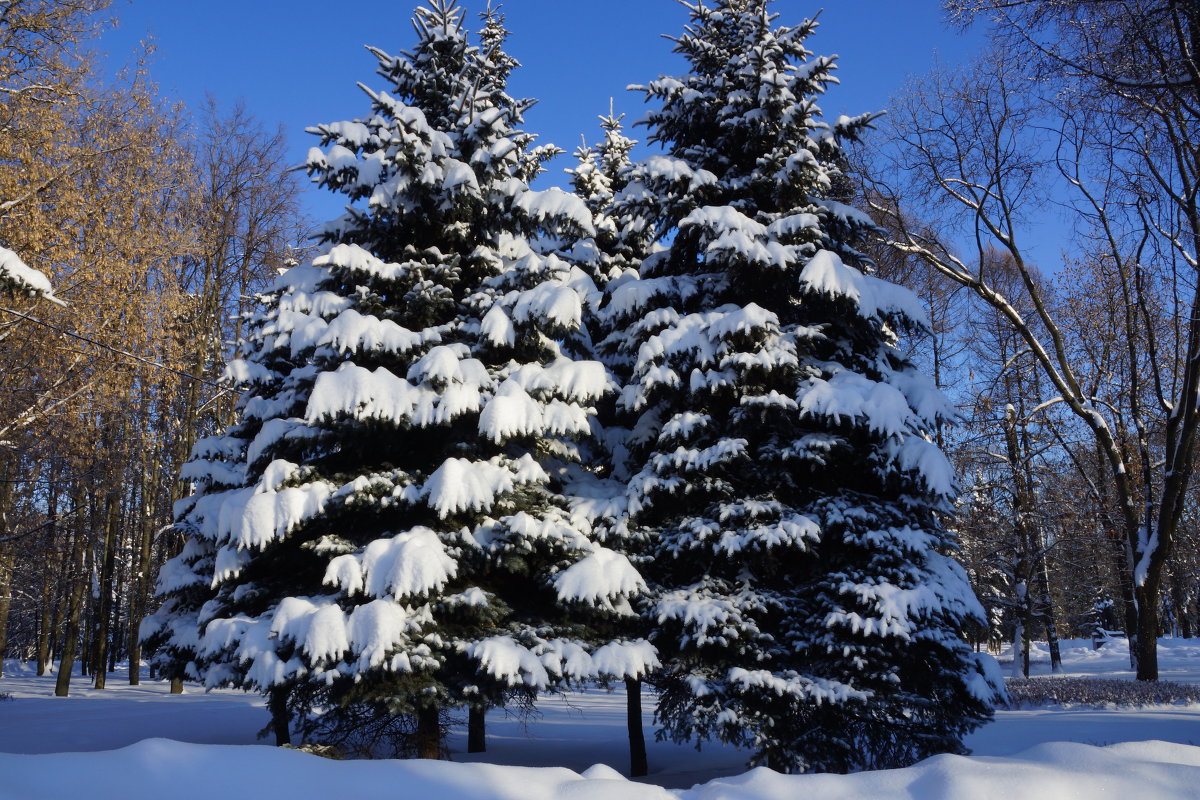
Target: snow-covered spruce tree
(620,241)
(809,606)
(598,485)
(383,524)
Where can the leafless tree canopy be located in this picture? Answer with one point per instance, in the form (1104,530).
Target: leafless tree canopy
(1086,110)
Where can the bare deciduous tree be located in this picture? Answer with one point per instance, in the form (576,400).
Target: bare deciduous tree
(981,152)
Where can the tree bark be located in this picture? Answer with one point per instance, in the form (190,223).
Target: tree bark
(1046,611)
(46,598)
(1020,667)
(429,732)
(87,581)
(118,629)
(1179,600)
(139,587)
(62,595)
(6,552)
(1022,508)
(477,728)
(79,579)
(45,602)
(1146,644)
(7,555)
(281,718)
(112,511)
(638,763)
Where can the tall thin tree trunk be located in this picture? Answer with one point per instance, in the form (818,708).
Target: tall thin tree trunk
(112,515)
(118,629)
(79,579)
(7,551)
(88,579)
(46,595)
(1025,645)
(7,555)
(45,604)
(1046,603)
(1019,669)
(139,584)
(1022,500)
(62,594)
(638,763)
(477,728)
(1179,600)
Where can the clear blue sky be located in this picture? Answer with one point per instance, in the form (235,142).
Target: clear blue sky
(296,62)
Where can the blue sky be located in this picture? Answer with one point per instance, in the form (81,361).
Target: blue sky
(297,62)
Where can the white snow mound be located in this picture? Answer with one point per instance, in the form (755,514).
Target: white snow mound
(164,768)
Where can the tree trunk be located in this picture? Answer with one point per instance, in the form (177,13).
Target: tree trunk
(7,555)
(62,595)
(112,519)
(429,732)
(1121,565)
(176,685)
(1146,645)
(45,603)
(1027,556)
(638,764)
(88,580)
(118,629)
(1025,647)
(281,718)
(1129,615)
(1052,641)
(46,599)
(1179,600)
(1018,645)
(1046,612)
(477,728)
(139,587)
(80,579)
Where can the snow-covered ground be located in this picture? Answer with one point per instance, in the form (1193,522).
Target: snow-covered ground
(1019,755)
(1178,659)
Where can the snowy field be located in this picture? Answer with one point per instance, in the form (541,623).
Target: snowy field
(141,742)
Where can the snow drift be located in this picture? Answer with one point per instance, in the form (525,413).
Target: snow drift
(157,768)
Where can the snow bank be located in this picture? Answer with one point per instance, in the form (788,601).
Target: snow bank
(157,768)
(1062,770)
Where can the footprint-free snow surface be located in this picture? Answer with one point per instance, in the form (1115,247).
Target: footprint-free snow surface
(141,742)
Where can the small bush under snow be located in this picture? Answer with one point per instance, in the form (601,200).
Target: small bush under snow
(1034,692)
